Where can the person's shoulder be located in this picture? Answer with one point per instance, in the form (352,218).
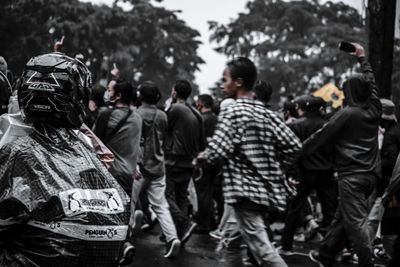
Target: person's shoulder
(161,114)
(104,110)
(300,121)
(135,114)
(178,106)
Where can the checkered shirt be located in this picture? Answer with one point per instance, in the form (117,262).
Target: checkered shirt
(253,143)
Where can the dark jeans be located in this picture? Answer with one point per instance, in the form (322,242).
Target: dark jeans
(325,186)
(176,192)
(351,220)
(204,193)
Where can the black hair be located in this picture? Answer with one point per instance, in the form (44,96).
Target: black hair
(245,69)
(125,89)
(97,94)
(183,89)
(290,106)
(206,100)
(263,91)
(149,92)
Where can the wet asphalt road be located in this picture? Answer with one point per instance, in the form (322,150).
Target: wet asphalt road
(200,251)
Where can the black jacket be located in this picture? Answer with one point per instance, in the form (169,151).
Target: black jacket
(304,127)
(390,150)
(353,130)
(185,135)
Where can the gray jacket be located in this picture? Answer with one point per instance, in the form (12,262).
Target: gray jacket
(154,129)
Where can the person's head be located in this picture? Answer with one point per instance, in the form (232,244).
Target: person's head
(96,99)
(388,117)
(319,104)
(307,104)
(303,104)
(239,75)
(204,103)
(356,91)
(263,91)
(122,92)
(289,110)
(181,90)
(149,93)
(3,65)
(54,89)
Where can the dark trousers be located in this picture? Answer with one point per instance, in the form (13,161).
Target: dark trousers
(176,193)
(204,193)
(351,220)
(325,186)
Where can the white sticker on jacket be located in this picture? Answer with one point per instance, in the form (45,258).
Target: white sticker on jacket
(77,201)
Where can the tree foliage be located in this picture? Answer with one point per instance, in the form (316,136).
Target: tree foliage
(146,42)
(294,44)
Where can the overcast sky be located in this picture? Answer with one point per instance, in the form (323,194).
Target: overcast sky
(196,13)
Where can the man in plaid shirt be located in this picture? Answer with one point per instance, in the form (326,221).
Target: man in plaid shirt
(253,144)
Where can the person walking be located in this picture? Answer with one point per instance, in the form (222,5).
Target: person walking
(253,144)
(151,163)
(354,133)
(184,140)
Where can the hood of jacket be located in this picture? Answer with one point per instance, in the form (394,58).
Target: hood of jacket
(357,91)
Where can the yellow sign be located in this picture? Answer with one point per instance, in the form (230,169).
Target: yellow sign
(330,93)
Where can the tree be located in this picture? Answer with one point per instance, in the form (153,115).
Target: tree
(294,44)
(146,42)
(381,20)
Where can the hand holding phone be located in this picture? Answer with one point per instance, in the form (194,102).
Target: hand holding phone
(347,47)
(353,49)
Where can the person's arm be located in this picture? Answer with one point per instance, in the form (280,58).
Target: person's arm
(287,143)
(326,134)
(368,74)
(172,115)
(222,143)
(58,44)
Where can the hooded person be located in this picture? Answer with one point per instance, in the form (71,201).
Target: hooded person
(353,131)
(59,206)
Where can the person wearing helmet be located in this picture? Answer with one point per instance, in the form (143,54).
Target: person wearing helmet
(59,206)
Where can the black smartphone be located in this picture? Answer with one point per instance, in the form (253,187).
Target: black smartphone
(347,47)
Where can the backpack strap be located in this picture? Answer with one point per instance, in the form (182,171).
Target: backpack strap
(116,129)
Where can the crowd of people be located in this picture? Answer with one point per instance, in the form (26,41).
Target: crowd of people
(93,166)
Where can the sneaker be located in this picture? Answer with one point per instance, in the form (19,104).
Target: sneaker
(128,251)
(188,232)
(299,237)
(216,234)
(379,253)
(348,257)
(172,248)
(311,229)
(285,252)
(149,225)
(314,256)
(137,223)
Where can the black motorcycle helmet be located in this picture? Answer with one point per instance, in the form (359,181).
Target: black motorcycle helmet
(55,89)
